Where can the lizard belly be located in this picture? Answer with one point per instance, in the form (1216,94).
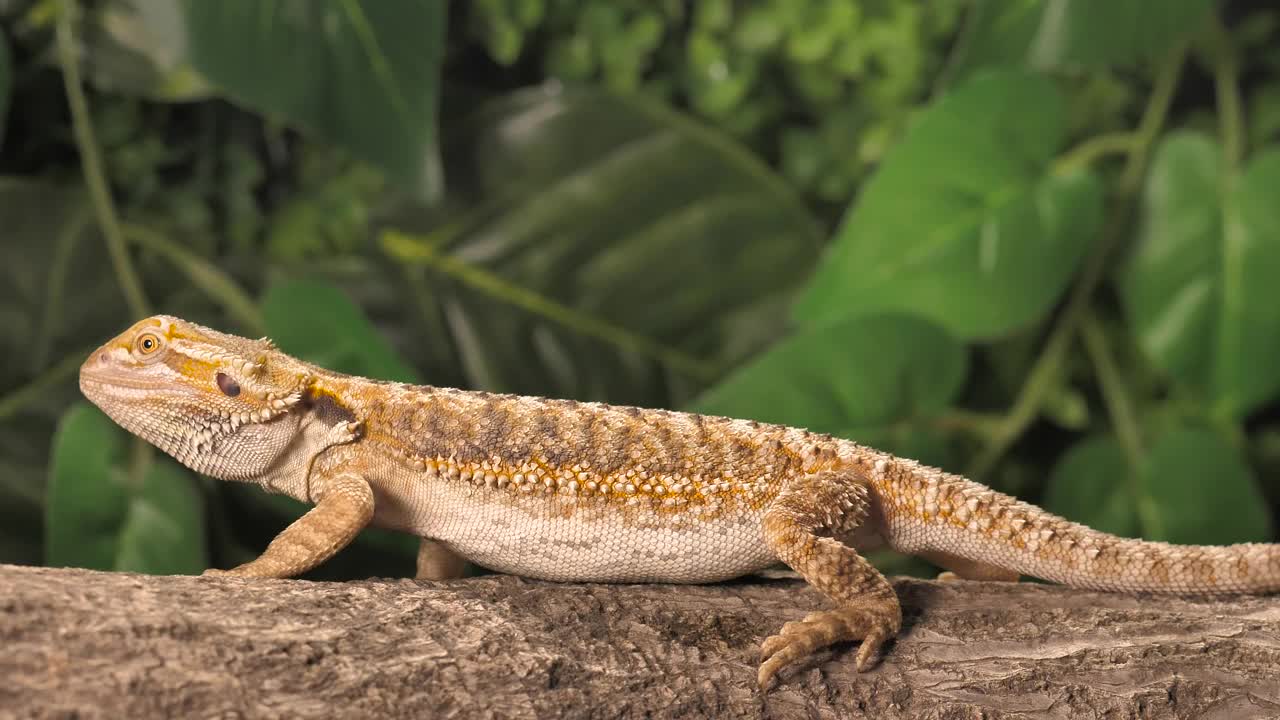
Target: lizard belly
(554,538)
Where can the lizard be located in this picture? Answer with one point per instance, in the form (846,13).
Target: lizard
(584,491)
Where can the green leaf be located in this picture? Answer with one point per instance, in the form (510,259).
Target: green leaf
(1248,346)
(1195,488)
(361,73)
(996,32)
(1093,34)
(650,223)
(24,475)
(919,441)
(102,514)
(139,47)
(315,321)
(964,223)
(863,372)
(1064,34)
(54,297)
(1092,484)
(1199,286)
(54,301)
(6,84)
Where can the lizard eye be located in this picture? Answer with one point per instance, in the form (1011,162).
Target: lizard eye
(147,343)
(227,385)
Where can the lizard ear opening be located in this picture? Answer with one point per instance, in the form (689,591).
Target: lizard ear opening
(227,385)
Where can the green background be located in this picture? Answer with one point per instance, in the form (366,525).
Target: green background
(1033,242)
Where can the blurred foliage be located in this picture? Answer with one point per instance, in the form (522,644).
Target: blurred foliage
(1029,241)
(819,86)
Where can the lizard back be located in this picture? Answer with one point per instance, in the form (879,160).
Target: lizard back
(560,489)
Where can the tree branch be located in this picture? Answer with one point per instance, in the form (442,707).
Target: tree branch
(117,645)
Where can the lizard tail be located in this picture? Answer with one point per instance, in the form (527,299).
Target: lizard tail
(1114,563)
(981,525)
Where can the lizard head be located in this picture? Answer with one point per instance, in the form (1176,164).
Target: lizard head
(218,403)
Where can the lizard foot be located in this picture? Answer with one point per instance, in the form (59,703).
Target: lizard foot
(872,624)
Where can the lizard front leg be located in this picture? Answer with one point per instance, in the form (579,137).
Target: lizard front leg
(344,507)
(867,607)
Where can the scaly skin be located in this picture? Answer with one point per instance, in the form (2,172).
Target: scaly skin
(565,490)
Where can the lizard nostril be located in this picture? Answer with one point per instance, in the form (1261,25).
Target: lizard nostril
(102,358)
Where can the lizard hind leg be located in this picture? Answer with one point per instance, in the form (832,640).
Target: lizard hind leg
(867,608)
(958,568)
(437,562)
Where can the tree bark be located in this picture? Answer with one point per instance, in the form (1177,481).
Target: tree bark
(93,644)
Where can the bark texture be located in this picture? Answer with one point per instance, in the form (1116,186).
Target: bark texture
(91,644)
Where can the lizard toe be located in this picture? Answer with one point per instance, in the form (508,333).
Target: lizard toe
(874,626)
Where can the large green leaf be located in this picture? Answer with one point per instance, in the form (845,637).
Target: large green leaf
(1055,34)
(54,302)
(1199,289)
(24,458)
(1195,488)
(996,32)
(315,321)
(964,223)
(1190,487)
(362,73)
(1248,344)
(1093,484)
(625,214)
(106,514)
(919,441)
(863,372)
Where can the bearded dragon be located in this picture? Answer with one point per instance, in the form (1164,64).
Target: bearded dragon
(583,491)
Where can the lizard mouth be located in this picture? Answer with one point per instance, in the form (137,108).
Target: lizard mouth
(103,390)
(101,381)
(100,378)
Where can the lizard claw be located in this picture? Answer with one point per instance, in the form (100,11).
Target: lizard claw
(774,643)
(798,640)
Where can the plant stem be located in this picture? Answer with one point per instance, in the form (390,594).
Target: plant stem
(1153,118)
(64,244)
(91,165)
(1114,395)
(410,249)
(1232,131)
(217,285)
(1090,151)
(1226,84)
(980,424)
(39,387)
(1026,406)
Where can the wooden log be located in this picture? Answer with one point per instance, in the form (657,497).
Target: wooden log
(92,644)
